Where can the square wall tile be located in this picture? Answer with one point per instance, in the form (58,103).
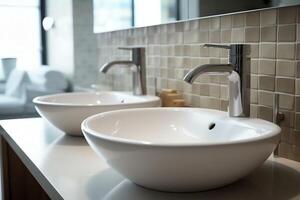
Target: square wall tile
(267,50)
(238,20)
(286,101)
(214,90)
(204,52)
(285,85)
(294,137)
(253,97)
(298,32)
(297,103)
(297,121)
(252,34)
(268,34)
(226,22)
(195,88)
(297,90)
(224,105)
(252,19)
(289,119)
(224,79)
(287,33)
(266,83)
(224,91)
(194,24)
(203,36)
(286,51)
(253,111)
(204,89)
(194,51)
(298,16)
(209,102)
(175,38)
(266,67)
(254,66)
(283,150)
(265,113)
(226,36)
(285,68)
(237,35)
(298,51)
(254,50)
(265,98)
(177,50)
(204,24)
(214,23)
(268,17)
(179,26)
(186,26)
(297,74)
(191,37)
(254,82)
(214,36)
(287,15)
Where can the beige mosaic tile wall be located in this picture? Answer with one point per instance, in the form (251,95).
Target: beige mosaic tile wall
(173,49)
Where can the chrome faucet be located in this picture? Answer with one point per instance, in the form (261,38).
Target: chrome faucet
(239,77)
(138,64)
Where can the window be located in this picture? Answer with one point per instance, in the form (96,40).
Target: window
(20,34)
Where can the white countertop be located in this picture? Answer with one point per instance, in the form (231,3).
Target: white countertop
(67,168)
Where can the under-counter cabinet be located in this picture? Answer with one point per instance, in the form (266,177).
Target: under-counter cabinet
(41,162)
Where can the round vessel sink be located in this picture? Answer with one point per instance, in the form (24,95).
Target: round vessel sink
(180,149)
(66,111)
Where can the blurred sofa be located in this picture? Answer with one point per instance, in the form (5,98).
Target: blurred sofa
(21,87)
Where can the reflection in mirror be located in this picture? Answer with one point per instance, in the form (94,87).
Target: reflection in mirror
(122,14)
(201,8)
(112,15)
(155,12)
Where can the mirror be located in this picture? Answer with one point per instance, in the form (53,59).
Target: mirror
(122,14)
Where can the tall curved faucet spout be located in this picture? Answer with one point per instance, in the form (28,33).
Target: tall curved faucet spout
(139,71)
(207,68)
(104,68)
(239,78)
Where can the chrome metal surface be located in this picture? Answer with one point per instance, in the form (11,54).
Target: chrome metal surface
(239,78)
(206,68)
(104,68)
(217,46)
(138,64)
(278,116)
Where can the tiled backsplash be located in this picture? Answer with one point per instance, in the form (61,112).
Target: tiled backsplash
(172,49)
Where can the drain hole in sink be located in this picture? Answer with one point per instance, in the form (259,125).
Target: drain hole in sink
(211,126)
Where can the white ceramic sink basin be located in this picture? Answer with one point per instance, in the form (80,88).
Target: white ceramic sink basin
(66,111)
(180,149)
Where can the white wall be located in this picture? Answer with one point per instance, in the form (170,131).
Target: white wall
(85,43)
(72,43)
(60,42)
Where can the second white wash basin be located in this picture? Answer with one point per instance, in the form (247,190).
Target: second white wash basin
(180,149)
(66,111)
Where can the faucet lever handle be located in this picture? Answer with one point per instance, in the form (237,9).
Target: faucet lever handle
(217,46)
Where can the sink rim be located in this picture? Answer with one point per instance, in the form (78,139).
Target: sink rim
(42,100)
(273,129)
